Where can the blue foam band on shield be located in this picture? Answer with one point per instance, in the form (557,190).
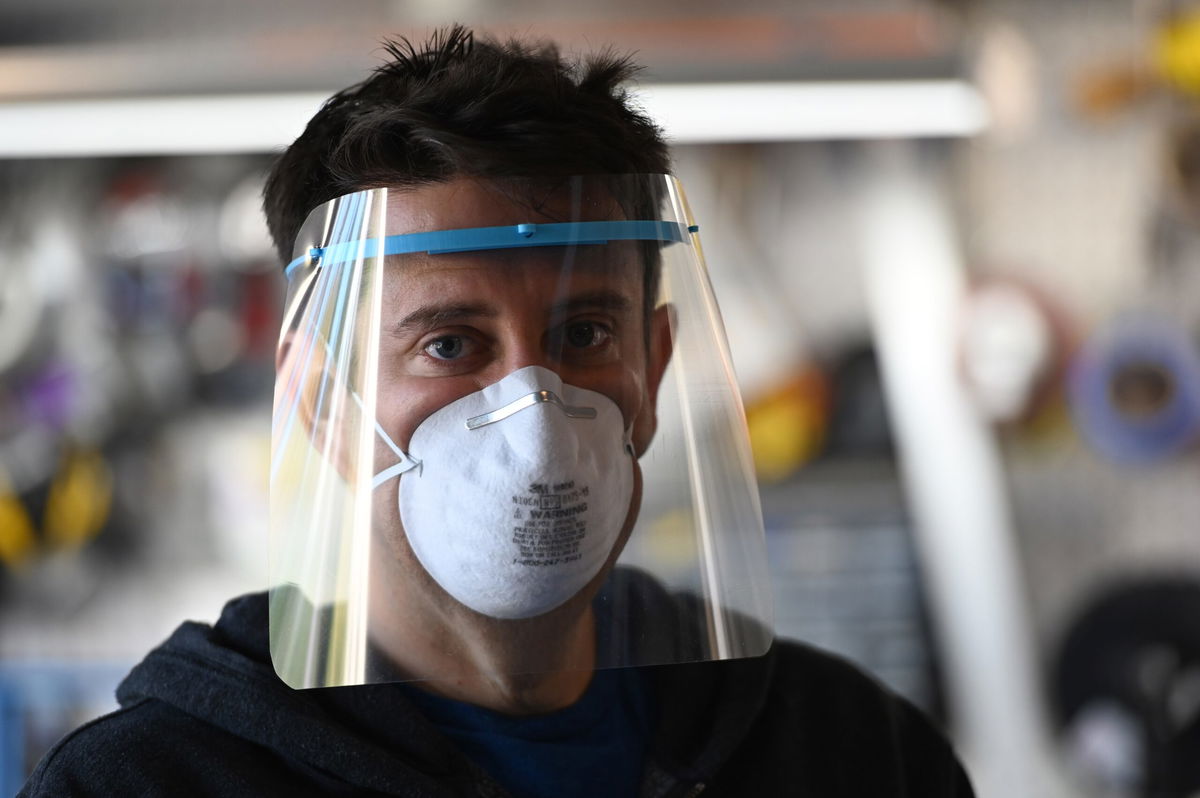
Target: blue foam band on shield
(1137,439)
(476,239)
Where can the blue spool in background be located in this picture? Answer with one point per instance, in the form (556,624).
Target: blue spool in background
(1135,390)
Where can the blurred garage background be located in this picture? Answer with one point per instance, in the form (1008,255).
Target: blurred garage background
(957,246)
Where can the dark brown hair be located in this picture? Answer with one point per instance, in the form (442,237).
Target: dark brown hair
(458,106)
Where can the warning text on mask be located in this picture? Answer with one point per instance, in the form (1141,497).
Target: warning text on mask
(549,523)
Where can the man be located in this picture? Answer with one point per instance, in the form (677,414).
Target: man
(491,277)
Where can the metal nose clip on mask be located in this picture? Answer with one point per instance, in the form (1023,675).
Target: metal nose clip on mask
(513,497)
(529,400)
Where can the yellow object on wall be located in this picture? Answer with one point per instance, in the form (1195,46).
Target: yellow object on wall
(1177,52)
(17,540)
(79,500)
(788,425)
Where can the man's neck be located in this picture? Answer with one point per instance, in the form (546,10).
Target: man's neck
(505,685)
(521,667)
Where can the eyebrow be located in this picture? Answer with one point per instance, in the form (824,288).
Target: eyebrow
(429,316)
(593,300)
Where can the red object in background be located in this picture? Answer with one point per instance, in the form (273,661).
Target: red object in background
(259,314)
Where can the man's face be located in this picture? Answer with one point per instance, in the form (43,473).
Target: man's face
(453,324)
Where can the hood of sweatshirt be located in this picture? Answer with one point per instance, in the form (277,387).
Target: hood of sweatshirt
(372,737)
(368,736)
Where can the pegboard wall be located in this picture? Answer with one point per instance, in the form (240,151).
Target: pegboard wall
(1075,207)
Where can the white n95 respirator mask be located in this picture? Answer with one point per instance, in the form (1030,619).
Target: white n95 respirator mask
(512,497)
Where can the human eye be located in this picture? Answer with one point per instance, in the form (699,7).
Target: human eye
(448,347)
(445,353)
(586,334)
(584,340)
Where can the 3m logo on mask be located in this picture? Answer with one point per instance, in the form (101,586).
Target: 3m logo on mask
(550,526)
(542,478)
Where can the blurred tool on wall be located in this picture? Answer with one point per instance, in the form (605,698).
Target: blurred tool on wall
(1126,687)
(137,318)
(1015,344)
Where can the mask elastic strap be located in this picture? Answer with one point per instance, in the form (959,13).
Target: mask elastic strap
(406,463)
(394,471)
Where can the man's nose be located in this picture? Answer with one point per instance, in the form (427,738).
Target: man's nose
(523,348)
(526,351)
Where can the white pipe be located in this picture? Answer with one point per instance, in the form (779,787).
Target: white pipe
(914,281)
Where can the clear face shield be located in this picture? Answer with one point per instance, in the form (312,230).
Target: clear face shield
(507,439)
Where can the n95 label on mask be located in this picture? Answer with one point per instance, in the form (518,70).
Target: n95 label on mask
(550,523)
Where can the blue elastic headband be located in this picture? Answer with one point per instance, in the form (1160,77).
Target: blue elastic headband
(473,239)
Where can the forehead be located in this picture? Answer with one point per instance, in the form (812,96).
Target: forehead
(462,204)
(537,279)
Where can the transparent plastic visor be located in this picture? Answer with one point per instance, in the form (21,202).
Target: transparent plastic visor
(507,440)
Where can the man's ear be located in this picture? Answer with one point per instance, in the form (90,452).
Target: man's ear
(320,402)
(299,373)
(661,345)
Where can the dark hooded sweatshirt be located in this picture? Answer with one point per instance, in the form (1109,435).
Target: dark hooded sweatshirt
(205,715)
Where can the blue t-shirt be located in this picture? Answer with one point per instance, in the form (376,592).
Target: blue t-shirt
(595,747)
